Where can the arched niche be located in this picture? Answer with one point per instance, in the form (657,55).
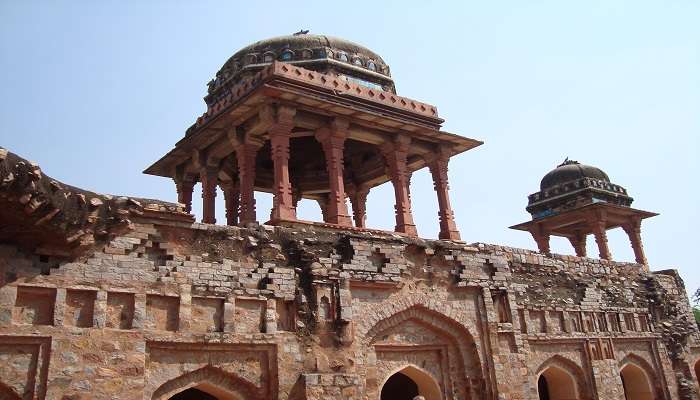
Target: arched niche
(408,382)
(696,368)
(560,379)
(209,380)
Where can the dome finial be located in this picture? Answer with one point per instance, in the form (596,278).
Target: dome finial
(301,32)
(567,162)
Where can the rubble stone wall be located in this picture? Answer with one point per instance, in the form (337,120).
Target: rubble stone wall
(305,312)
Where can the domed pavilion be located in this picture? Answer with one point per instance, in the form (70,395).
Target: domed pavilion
(315,117)
(576,200)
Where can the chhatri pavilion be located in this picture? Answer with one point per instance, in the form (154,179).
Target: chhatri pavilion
(314,117)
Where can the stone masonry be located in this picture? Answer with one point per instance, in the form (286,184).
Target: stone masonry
(307,312)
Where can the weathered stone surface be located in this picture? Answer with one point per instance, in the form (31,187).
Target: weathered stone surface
(334,317)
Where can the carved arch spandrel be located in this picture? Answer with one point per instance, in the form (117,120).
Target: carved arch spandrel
(214,381)
(461,370)
(248,371)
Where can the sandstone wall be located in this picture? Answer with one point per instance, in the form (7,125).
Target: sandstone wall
(304,312)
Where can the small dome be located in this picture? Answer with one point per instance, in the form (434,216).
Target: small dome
(315,52)
(569,171)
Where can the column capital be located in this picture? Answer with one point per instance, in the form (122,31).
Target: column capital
(239,139)
(340,124)
(440,153)
(285,112)
(399,143)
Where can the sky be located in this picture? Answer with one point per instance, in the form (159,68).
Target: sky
(97,91)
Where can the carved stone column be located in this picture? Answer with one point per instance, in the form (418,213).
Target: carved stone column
(634,232)
(332,140)
(280,131)
(232,197)
(358,200)
(395,154)
(541,237)
(437,163)
(597,224)
(208,177)
(578,242)
(246,147)
(185,187)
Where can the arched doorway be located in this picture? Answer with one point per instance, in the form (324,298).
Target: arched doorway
(193,394)
(636,383)
(408,383)
(697,371)
(206,383)
(204,391)
(555,383)
(399,387)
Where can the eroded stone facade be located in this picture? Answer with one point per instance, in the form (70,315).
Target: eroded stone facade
(312,313)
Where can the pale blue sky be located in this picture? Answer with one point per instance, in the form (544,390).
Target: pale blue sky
(97,92)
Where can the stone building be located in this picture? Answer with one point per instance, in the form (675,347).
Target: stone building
(108,297)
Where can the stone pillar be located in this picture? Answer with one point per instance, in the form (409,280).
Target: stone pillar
(597,225)
(634,232)
(437,163)
(333,142)
(246,147)
(323,205)
(185,187)
(395,154)
(541,237)
(232,197)
(209,178)
(280,131)
(578,242)
(358,200)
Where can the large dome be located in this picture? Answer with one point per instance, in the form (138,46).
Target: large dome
(321,53)
(570,171)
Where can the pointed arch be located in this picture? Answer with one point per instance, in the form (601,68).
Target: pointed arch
(447,352)
(638,378)
(211,380)
(562,378)
(426,384)
(436,321)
